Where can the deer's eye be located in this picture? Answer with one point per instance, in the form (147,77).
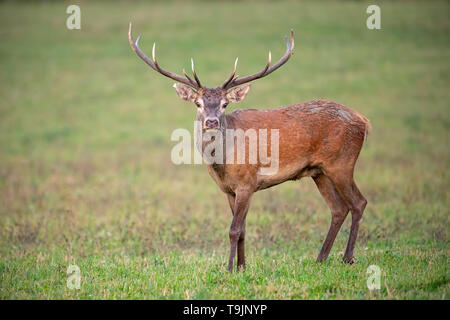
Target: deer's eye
(225,105)
(198,104)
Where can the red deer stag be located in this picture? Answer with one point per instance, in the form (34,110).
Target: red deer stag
(319,139)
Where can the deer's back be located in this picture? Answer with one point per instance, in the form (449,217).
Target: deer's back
(306,125)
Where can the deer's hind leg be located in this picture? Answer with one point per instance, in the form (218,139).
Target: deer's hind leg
(339,211)
(346,186)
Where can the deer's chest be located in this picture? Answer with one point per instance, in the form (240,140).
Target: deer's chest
(230,177)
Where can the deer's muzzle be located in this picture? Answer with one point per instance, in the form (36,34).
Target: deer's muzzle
(211,123)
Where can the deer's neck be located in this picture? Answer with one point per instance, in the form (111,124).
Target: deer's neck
(204,138)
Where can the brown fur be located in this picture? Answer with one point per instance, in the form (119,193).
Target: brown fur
(320,139)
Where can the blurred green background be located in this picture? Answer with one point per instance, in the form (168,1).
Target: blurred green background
(85,170)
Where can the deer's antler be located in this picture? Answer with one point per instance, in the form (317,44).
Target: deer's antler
(233,82)
(155,66)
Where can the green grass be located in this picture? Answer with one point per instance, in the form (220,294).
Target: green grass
(85,171)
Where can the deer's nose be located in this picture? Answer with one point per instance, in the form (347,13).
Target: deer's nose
(211,123)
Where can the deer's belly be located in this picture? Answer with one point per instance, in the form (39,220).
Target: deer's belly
(293,172)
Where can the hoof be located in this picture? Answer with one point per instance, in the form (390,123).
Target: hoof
(349,261)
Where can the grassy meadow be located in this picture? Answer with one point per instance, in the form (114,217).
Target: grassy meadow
(85,171)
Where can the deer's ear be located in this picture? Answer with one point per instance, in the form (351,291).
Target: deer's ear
(238,94)
(185,92)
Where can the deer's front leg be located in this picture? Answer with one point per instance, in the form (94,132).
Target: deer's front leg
(237,229)
(241,241)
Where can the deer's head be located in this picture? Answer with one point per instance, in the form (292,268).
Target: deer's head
(211,102)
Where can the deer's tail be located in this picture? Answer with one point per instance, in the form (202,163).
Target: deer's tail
(367,125)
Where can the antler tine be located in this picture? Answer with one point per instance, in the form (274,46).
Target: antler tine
(258,75)
(224,85)
(195,74)
(189,78)
(292,40)
(153,53)
(267,69)
(287,55)
(154,64)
